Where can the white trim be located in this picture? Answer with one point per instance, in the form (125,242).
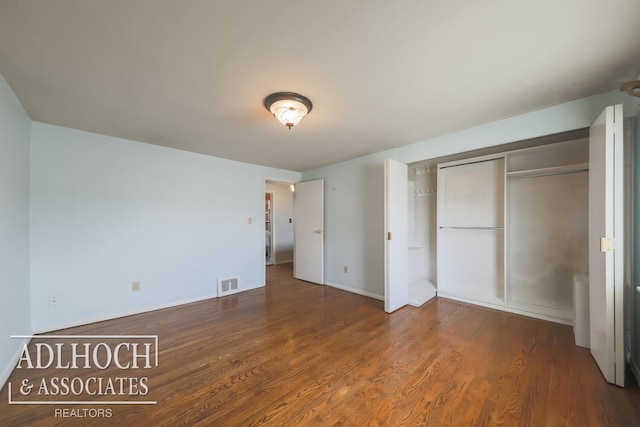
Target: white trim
(281,180)
(539,316)
(498,307)
(470,160)
(8,370)
(89,320)
(249,288)
(283,262)
(355,291)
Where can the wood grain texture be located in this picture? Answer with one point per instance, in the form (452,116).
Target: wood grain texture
(298,354)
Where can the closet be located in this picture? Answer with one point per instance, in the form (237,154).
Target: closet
(538,227)
(507,230)
(422,269)
(548,228)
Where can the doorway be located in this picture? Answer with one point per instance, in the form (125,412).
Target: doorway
(268,228)
(278,226)
(300,242)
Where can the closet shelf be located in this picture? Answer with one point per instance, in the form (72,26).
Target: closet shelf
(444,227)
(555,170)
(425,169)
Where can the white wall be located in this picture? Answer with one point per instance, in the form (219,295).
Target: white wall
(282,228)
(354,221)
(354,217)
(106,212)
(15,129)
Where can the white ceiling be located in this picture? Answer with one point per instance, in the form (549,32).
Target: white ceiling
(381,74)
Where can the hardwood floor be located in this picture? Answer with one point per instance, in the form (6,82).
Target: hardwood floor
(294,353)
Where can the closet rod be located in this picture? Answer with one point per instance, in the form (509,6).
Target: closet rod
(471,163)
(540,174)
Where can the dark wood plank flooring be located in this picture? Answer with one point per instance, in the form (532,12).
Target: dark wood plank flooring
(295,353)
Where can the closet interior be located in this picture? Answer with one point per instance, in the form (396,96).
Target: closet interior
(422,205)
(506,229)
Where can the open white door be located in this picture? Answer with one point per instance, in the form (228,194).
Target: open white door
(396,255)
(606,243)
(308,231)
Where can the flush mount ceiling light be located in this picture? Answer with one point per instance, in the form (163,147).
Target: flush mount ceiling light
(632,88)
(288,107)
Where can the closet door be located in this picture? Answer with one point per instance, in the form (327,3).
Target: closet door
(606,243)
(471,231)
(396,219)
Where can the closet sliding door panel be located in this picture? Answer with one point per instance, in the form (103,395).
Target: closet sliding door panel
(471,231)
(472,266)
(472,195)
(547,238)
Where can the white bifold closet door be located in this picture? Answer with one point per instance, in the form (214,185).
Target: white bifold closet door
(396,280)
(606,243)
(471,231)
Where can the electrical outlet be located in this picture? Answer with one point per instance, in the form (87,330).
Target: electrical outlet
(346,269)
(135,286)
(53,300)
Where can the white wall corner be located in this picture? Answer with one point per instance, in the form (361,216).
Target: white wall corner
(8,370)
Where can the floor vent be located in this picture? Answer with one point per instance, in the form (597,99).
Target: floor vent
(227,286)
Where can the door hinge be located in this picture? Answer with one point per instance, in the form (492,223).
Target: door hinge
(605,244)
(388,235)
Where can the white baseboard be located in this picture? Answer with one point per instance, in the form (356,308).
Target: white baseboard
(501,307)
(283,262)
(540,316)
(88,320)
(251,287)
(8,370)
(472,301)
(355,290)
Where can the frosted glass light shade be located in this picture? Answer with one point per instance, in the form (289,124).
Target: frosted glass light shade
(288,107)
(289,113)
